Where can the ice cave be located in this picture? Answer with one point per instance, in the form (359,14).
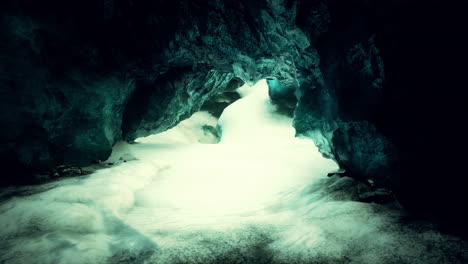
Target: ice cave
(233,132)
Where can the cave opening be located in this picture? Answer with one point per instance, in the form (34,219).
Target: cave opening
(245,182)
(237,167)
(213,189)
(128,135)
(219,186)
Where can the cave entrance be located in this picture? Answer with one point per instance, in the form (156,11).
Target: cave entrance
(233,165)
(178,195)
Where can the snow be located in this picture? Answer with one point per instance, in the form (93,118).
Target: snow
(255,197)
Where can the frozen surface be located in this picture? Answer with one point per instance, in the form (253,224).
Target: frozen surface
(259,196)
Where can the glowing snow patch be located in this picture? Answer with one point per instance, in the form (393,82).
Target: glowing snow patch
(257,196)
(245,172)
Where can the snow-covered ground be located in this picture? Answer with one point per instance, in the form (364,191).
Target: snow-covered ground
(260,195)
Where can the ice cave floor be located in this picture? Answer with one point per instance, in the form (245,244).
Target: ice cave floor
(260,195)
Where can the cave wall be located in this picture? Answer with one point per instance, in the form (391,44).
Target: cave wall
(390,100)
(79,76)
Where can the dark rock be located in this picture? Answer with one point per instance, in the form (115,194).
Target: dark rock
(78,77)
(57,173)
(354,111)
(334,111)
(380,196)
(362,151)
(215,106)
(283,96)
(173,97)
(70,171)
(344,188)
(211,130)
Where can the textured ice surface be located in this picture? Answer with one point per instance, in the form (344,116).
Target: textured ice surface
(259,196)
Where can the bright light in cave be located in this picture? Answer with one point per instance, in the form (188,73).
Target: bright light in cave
(257,159)
(260,194)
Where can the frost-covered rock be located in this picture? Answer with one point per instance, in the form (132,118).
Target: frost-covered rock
(127,157)
(77,77)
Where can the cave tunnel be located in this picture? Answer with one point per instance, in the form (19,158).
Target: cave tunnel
(222,131)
